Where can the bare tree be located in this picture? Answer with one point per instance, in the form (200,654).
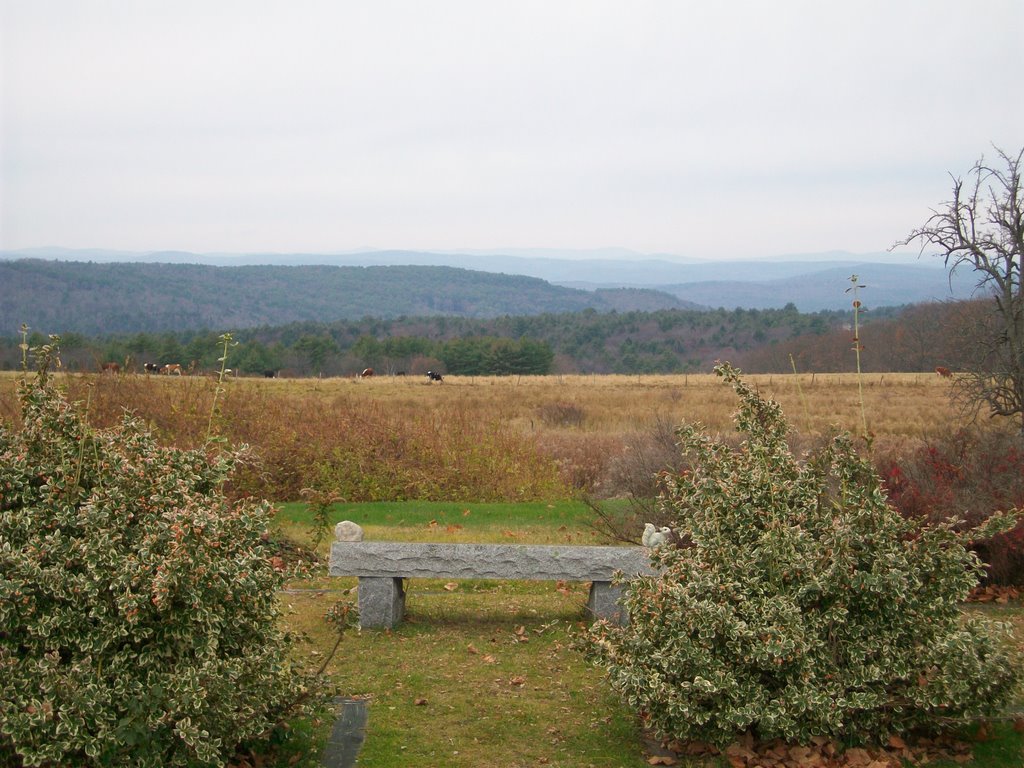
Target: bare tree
(982,227)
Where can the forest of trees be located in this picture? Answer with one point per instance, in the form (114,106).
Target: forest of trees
(916,338)
(336,321)
(666,341)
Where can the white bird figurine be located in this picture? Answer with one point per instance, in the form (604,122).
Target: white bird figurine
(654,537)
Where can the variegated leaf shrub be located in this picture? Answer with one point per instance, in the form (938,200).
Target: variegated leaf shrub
(138,622)
(799,603)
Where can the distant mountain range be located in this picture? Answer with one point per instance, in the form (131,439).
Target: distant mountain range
(134,297)
(885,285)
(174,290)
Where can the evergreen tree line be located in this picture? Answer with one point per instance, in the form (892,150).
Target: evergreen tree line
(664,341)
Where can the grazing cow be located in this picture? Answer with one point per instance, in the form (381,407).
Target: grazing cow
(943,372)
(268,374)
(110,368)
(151,367)
(434,376)
(367,373)
(170,368)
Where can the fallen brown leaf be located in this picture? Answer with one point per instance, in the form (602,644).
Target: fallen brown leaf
(420,702)
(857,757)
(738,755)
(800,754)
(693,748)
(896,742)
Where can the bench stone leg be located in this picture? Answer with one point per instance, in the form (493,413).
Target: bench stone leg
(603,602)
(381,602)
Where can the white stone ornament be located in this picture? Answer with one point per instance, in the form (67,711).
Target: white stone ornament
(654,537)
(346,530)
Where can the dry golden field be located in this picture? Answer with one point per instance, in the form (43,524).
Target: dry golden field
(895,404)
(904,404)
(901,405)
(456,436)
(907,405)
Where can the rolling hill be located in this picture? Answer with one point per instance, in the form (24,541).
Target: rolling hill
(811,282)
(110,297)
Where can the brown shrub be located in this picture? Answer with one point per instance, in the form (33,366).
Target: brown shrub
(582,458)
(444,454)
(561,414)
(358,449)
(968,475)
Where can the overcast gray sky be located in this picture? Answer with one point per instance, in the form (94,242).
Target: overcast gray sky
(710,129)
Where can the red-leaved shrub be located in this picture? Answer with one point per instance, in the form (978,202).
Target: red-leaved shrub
(968,475)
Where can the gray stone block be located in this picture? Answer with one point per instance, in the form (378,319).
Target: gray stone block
(348,734)
(381,602)
(603,602)
(485,561)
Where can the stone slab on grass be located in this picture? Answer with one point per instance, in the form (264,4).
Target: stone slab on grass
(381,566)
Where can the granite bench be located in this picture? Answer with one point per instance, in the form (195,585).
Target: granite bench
(382,565)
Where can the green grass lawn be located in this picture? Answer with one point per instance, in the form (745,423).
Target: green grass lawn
(482,673)
(476,676)
(530,522)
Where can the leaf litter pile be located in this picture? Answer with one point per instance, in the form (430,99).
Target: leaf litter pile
(821,753)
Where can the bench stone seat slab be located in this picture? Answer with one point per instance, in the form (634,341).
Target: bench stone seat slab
(485,561)
(381,565)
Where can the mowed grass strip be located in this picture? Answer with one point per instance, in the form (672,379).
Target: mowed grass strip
(556,522)
(482,673)
(479,675)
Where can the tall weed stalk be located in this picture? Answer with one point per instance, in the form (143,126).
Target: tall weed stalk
(803,398)
(857,349)
(226,341)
